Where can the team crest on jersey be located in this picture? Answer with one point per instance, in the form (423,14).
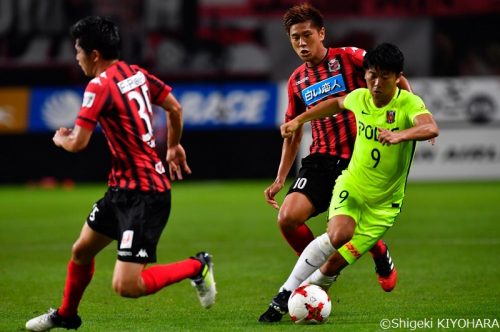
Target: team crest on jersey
(333,65)
(390,116)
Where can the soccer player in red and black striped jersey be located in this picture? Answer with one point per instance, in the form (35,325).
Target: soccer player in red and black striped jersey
(136,206)
(326,73)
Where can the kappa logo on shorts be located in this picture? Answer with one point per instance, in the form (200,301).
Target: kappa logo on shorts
(142,253)
(127,238)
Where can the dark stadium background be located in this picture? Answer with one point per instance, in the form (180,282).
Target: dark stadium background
(221,42)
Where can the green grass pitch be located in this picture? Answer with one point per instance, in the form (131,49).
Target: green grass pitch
(446,245)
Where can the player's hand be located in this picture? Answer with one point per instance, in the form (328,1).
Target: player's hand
(387,137)
(271,192)
(287,129)
(432,141)
(60,134)
(176,160)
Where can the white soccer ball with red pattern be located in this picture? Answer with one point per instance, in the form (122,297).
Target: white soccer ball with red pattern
(309,304)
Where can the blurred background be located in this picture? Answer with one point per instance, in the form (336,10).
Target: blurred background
(228,62)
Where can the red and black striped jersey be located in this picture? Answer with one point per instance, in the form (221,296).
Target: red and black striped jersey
(120,100)
(340,72)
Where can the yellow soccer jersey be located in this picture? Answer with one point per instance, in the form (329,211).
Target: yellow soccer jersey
(380,171)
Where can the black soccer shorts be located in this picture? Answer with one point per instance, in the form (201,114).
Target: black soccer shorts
(135,219)
(316,179)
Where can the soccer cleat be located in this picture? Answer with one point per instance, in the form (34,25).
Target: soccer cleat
(384,266)
(51,320)
(277,308)
(388,283)
(204,283)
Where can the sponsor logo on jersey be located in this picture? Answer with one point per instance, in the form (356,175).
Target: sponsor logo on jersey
(390,116)
(369,131)
(333,65)
(127,238)
(323,89)
(131,82)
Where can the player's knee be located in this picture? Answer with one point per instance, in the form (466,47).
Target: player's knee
(339,237)
(288,220)
(127,288)
(79,254)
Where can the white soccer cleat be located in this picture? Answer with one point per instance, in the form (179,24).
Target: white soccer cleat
(204,283)
(52,319)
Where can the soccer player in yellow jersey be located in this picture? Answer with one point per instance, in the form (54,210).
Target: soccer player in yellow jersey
(368,195)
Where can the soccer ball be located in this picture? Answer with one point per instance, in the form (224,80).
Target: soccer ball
(309,304)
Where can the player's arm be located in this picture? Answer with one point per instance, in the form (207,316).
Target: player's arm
(72,140)
(425,128)
(289,152)
(325,108)
(405,85)
(176,156)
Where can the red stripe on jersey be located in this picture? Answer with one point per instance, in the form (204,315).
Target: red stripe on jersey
(340,72)
(121,102)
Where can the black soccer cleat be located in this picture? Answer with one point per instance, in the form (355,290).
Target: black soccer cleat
(52,319)
(277,308)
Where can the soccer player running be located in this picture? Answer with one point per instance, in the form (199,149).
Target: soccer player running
(136,206)
(368,195)
(325,74)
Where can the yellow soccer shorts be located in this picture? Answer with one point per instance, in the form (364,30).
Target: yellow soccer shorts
(372,220)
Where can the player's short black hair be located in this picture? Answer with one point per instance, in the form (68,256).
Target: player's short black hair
(97,33)
(385,56)
(302,13)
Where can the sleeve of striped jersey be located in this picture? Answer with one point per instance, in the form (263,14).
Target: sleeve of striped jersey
(357,55)
(295,105)
(95,100)
(159,90)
